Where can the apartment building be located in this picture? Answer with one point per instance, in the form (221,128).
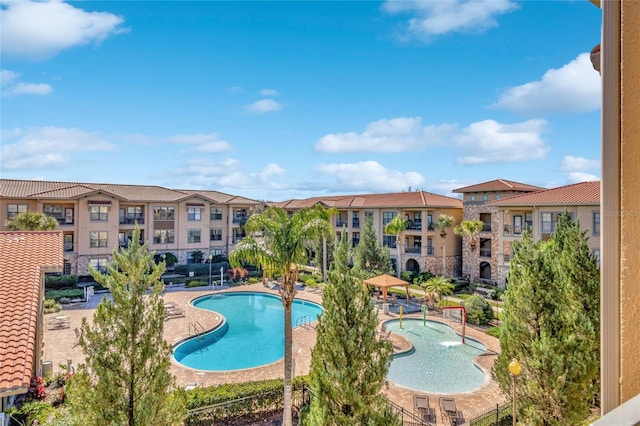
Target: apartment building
(421,246)
(95,218)
(539,213)
(480,263)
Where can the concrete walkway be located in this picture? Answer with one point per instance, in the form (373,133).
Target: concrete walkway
(59,347)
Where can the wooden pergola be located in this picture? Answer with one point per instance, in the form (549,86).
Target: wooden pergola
(384,282)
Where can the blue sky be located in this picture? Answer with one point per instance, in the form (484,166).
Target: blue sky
(292,99)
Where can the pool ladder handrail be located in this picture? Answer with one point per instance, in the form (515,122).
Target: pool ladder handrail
(196,329)
(303,320)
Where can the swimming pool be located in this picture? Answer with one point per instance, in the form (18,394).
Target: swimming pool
(251,336)
(439,363)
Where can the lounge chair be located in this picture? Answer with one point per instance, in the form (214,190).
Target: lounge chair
(421,405)
(449,410)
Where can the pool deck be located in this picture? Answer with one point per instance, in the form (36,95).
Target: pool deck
(59,347)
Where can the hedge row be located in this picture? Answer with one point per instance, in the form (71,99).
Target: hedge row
(57,282)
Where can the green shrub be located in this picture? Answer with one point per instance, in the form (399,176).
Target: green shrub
(479,311)
(498,293)
(51,306)
(57,282)
(310,282)
(253,280)
(493,331)
(74,293)
(33,412)
(201,269)
(407,276)
(196,283)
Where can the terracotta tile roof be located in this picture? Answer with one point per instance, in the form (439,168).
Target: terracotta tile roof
(35,189)
(32,254)
(583,193)
(416,199)
(498,185)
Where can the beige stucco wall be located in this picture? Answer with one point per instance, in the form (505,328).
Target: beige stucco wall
(630,201)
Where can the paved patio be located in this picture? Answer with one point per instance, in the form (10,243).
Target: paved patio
(59,347)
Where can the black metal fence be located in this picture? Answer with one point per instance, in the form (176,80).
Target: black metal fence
(498,416)
(406,417)
(248,409)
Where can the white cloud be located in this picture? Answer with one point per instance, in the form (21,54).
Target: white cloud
(369,176)
(395,135)
(11,85)
(482,142)
(580,169)
(491,142)
(203,142)
(269,92)
(48,147)
(264,105)
(41,29)
(573,88)
(435,18)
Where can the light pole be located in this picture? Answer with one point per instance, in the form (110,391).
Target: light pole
(210,282)
(515,369)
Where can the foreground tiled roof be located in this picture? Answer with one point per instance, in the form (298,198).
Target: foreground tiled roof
(583,193)
(26,255)
(36,189)
(498,185)
(417,199)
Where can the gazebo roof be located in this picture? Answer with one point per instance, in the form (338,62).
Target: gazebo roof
(385,281)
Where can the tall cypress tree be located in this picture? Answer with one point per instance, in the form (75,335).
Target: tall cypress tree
(370,256)
(126,378)
(551,325)
(349,364)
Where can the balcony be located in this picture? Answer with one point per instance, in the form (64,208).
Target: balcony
(132,220)
(413,250)
(355,223)
(241,219)
(341,223)
(485,252)
(417,225)
(430,227)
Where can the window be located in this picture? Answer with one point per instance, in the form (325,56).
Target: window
(596,223)
(215,213)
(389,241)
(528,221)
(430,246)
(164,213)
(355,238)
(163,236)
(473,198)
(193,213)
(67,268)
(97,239)
(68,242)
(355,220)
(99,265)
(430,222)
(99,213)
(131,215)
(387,217)
(368,214)
(498,196)
(517,224)
(14,210)
(215,234)
(126,236)
(193,235)
(596,254)
(485,197)
(550,220)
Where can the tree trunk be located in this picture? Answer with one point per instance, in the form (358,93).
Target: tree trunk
(444,256)
(287,292)
(324,259)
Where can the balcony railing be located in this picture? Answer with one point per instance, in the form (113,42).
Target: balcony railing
(240,219)
(430,227)
(413,250)
(132,220)
(485,252)
(340,223)
(417,225)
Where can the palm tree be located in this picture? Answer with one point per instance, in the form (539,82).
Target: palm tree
(438,285)
(285,239)
(444,221)
(396,226)
(31,221)
(324,213)
(470,228)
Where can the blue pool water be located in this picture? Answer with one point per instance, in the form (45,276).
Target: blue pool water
(252,335)
(440,362)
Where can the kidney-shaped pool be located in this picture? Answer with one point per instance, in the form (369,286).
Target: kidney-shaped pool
(251,336)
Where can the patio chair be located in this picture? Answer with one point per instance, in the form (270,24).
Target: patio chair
(449,410)
(421,405)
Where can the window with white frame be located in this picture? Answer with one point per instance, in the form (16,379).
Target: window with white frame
(14,210)
(97,239)
(164,213)
(193,214)
(596,223)
(550,220)
(215,213)
(193,235)
(99,213)
(387,217)
(596,254)
(163,236)
(389,241)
